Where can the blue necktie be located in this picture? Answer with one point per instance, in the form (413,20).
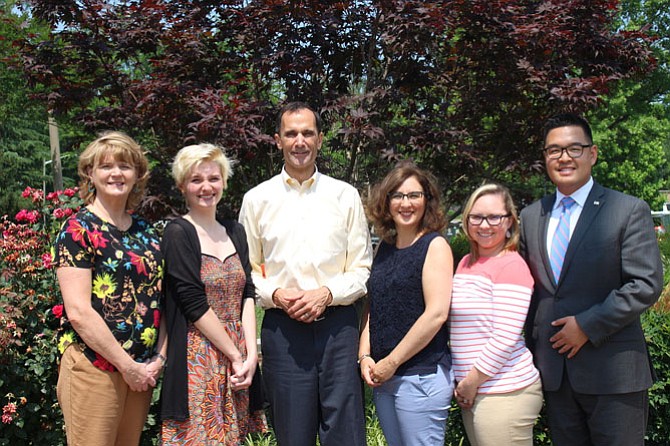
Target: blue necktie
(559,244)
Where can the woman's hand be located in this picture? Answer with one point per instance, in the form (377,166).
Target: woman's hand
(383,370)
(243,372)
(138,377)
(465,394)
(367,364)
(155,367)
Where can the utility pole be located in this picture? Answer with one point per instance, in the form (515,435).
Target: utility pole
(55,153)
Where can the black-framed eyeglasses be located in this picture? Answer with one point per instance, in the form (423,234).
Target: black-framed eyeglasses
(492,220)
(573,150)
(413,196)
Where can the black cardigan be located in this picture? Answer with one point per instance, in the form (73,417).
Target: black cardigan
(185,301)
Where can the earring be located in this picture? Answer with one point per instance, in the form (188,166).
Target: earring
(91,187)
(136,189)
(508,234)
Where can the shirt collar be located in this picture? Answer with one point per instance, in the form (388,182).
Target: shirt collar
(291,182)
(580,195)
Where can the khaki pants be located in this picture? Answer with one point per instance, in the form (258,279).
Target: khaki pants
(504,419)
(98,406)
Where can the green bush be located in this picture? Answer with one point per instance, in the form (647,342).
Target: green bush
(28,298)
(657,330)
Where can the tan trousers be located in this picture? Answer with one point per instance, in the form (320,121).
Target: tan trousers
(98,406)
(504,419)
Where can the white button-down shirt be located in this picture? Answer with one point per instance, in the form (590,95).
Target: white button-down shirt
(306,236)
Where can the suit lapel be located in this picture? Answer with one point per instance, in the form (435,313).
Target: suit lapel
(545,214)
(592,206)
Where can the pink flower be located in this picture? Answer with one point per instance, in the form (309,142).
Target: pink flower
(68,212)
(21,215)
(28,216)
(57,310)
(70,192)
(26,192)
(47,260)
(53,196)
(7,419)
(37,195)
(59,213)
(9,408)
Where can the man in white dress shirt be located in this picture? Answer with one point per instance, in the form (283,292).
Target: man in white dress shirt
(309,247)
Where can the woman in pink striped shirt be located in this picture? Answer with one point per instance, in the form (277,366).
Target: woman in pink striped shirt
(498,387)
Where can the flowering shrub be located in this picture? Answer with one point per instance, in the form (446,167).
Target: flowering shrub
(30,306)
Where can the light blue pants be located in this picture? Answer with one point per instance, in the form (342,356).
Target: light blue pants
(413,409)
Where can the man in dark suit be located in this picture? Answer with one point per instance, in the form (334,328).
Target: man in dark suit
(597,267)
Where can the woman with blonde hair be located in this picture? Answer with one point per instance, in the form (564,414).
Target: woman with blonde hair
(498,387)
(109,271)
(210,312)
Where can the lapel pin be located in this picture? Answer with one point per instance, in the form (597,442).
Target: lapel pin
(596,203)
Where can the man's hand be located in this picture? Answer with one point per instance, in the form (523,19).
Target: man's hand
(303,306)
(570,338)
(285,297)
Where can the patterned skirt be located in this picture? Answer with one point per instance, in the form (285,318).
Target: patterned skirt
(217,414)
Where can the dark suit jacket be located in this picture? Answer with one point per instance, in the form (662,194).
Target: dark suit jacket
(611,274)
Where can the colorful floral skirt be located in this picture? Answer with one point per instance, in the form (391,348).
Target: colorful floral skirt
(217,414)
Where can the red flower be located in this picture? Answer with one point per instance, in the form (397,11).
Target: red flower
(103,364)
(75,229)
(157,318)
(57,310)
(69,192)
(97,239)
(139,263)
(59,213)
(26,192)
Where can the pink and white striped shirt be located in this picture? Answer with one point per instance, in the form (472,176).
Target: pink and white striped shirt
(488,309)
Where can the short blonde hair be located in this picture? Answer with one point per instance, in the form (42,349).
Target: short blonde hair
(191,156)
(511,242)
(121,147)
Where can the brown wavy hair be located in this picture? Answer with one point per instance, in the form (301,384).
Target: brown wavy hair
(377,203)
(122,148)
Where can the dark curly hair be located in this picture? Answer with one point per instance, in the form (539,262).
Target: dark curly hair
(377,203)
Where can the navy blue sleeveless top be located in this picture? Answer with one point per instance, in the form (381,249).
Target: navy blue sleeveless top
(396,302)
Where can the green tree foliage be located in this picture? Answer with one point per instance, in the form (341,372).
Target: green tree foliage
(460,86)
(24,142)
(631,128)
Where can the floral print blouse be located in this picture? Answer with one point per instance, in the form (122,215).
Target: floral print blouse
(127,268)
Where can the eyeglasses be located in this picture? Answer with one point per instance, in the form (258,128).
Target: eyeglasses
(573,150)
(413,197)
(492,220)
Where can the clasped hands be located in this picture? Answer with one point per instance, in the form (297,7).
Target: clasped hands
(376,373)
(304,306)
(141,376)
(243,372)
